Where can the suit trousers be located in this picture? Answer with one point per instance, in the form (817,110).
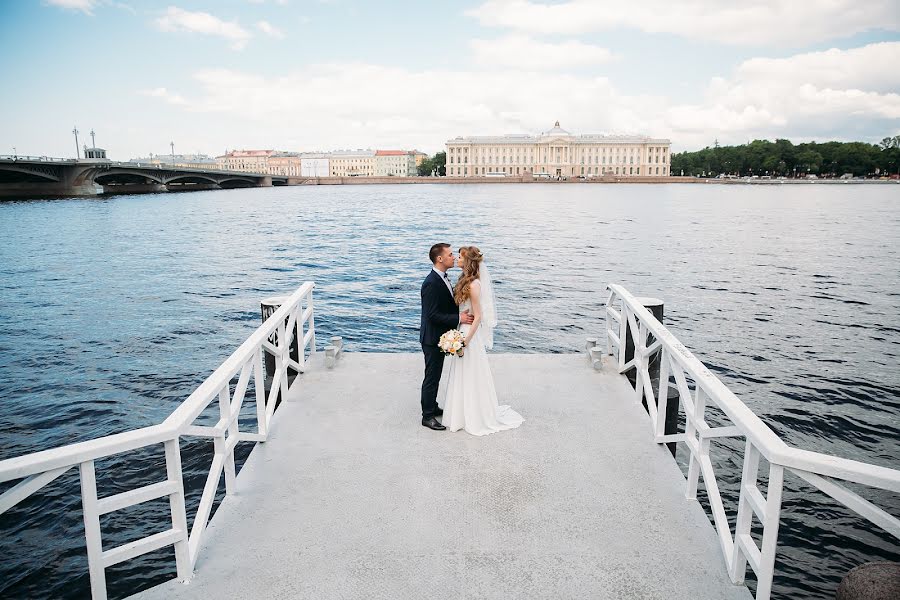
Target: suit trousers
(434,364)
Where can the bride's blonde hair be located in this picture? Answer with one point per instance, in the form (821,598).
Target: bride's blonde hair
(470,267)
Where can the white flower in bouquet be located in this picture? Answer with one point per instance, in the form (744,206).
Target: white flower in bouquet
(452,342)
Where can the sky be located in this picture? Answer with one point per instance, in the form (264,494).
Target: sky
(308,75)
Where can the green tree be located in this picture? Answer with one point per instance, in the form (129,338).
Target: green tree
(439,163)
(425,167)
(809,161)
(783,157)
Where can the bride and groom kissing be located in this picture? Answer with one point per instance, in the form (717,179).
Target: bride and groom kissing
(470,400)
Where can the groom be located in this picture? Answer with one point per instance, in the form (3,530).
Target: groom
(439,315)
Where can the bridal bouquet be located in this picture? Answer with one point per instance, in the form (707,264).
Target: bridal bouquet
(452,343)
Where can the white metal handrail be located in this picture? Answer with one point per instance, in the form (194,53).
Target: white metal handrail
(40,468)
(624,314)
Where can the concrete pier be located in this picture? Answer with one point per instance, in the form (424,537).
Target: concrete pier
(352,498)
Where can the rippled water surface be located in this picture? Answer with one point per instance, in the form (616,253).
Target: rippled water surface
(113,310)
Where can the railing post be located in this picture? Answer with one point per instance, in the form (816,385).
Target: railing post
(176,506)
(641,360)
(92,530)
(262,421)
(623,333)
(693,477)
(770,533)
(312,326)
(298,333)
(744,521)
(225,413)
(609,299)
(284,350)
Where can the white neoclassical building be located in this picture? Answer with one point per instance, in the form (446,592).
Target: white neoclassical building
(557,153)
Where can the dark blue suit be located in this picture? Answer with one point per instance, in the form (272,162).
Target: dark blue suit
(439,315)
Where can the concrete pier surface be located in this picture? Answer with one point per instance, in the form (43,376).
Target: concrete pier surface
(352,498)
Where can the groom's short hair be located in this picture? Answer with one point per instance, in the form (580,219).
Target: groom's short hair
(436,251)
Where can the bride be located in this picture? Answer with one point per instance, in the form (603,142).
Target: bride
(471,402)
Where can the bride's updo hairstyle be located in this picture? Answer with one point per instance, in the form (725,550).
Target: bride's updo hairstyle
(471,264)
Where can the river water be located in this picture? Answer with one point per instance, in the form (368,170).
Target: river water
(113,310)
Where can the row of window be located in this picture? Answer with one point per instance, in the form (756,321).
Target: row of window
(464,171)
(589,150)
(560,157)
(596,160)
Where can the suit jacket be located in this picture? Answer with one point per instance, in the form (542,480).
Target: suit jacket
(439,311)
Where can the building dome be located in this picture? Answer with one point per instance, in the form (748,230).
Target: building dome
(557,131)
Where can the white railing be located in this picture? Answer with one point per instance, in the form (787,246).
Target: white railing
(697,389)
(38,469)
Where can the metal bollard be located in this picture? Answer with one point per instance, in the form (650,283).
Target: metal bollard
(595,353)
(333,351)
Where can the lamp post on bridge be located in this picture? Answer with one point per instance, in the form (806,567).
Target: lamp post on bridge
(93,143)
(77,149)
(172,146)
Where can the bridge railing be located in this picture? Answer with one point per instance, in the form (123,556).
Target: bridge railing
(23,157)
(274,336)
(699,389)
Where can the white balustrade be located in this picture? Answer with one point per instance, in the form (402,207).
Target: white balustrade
(699,389)
(40,468)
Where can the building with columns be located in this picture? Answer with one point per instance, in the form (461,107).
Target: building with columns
(558,153)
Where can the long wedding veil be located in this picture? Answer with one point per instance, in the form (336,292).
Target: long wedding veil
(488,306)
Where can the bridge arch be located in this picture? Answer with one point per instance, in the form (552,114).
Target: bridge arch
(36,173)
(126,176)
(182,178)
(237,182)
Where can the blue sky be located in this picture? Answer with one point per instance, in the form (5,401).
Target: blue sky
(330,74)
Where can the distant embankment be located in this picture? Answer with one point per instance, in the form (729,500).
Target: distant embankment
(512,179)
(575,180)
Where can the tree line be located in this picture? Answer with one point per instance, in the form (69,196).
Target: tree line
(782,158)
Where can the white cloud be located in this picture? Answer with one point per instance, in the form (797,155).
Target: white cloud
(522,52)
(752,22)
(868,67)
(85,6)
(165,94)
(270,29)
(364,105)
(178,19)
(801,93)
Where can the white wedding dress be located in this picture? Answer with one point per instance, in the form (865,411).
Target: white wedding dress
(471,401)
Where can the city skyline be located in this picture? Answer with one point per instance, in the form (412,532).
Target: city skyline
(330,74)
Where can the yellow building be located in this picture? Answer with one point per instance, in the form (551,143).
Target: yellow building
(254,161)
(557,153)
(357,163)
(284,163)
(395,163)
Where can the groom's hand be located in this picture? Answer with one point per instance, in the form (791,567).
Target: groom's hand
(465,318)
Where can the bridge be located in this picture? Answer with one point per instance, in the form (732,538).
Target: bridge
(42,176)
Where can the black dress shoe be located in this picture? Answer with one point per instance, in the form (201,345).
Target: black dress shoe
(432,423)
(439,412)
